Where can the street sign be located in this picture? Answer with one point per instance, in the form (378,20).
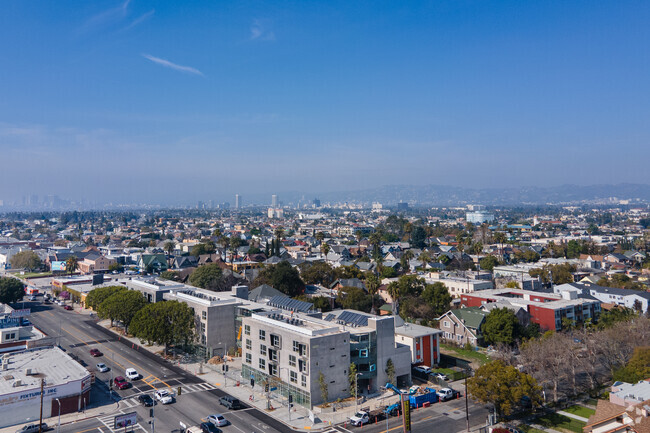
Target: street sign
(406,410)
(128,419)
(20,313)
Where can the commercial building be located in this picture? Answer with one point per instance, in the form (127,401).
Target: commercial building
(291,351)
(634,299)
(457,286)
(545,309)
(16,333)
(66,385)
(479,217)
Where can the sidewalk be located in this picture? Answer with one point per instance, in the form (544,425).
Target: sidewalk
(572,415)
(69,418)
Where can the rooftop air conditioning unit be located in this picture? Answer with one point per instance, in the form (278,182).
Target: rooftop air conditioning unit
(17,383)
(28,371)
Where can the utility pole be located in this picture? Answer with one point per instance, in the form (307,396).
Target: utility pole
(58,426)
(152,414)
(466,401)
(40,421)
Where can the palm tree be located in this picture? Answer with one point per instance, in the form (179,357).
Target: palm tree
(500,238)
(320,236)
(408,255)
(372,284)
(425,258)
(71,264)
(169,248)
(324,248)
(235,242)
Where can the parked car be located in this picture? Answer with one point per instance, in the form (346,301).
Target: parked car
(164,396)
(448,394)
(32,428)
(218,420)
(440,376)
(121,382)
(102,368)
(146,400)
(32,298)
(423,369)
(95,353)
(67,307)
(208,427)
(229,402)
(132,374)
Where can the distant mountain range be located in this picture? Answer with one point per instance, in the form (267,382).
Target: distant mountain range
(445,195)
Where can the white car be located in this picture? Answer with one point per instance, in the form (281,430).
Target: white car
(218,420)
(440,376)
(102,368)
(132,374)
(423,369)
(164,396)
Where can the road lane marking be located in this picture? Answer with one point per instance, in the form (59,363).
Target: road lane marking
(90,429)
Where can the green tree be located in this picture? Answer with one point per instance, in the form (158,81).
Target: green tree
(317,273)
(424,258)
(354,298)
(169,249)
(115,267)
(282,277)
(512,285)
(203,248)
(390,371)
(27,260)
(352,378)
(323,387)
(11,290)
(122,306)
(96,296)
(166,323)
(504,387)
(322,303)
(206,277)
(488,263)
(418,237)
(638,367)
(438,297)
(71,264)
(573,249)
(501,326)
(170,275)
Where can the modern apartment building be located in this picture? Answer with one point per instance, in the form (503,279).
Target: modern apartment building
(458,286)
(291,351)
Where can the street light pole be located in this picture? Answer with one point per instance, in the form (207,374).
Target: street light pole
(356,392)
(58,427)
(153,419)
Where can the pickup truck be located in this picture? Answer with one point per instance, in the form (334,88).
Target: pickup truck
(448,394)
(364,416)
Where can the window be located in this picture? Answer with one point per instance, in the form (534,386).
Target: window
(249,345)
(273,355)
(445,324)
(262,334)
(363,353)
(247,329)
(296,346)
(204,315)
(293,377)
(262,364)
(292,360)
(303,366)
(248,358)
(273,369)
(275,340)
(262,349)
(303,380)
(373,367)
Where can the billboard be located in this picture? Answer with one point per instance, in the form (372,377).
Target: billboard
(58,266)
(20,313)
(128,419)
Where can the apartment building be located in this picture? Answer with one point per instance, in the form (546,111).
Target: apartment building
(458,286)
(545,309)
(291,351)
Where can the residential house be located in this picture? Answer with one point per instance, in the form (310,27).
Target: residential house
(463,325)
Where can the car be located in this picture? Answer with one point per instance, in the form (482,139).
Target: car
(146,400)
(32,298)
(448,394)
(229,402)
(423,369)
(102,368)
(95,353)
(208,427)
(440,376)
(32,428)
(132,374)
(121,382)
(218,420)
(164,396)
(68,307)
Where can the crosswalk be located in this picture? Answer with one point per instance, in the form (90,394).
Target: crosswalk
(185,389)
(109,424)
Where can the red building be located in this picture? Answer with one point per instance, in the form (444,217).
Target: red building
(545,309)
(423,342)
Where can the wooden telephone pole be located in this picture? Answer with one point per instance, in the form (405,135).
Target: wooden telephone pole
(40,421)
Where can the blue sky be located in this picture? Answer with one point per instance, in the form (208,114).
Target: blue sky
(177,101)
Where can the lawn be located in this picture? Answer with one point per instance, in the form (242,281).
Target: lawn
(561,422)
(580,411)
(470,355)
(34,274)
(528,429)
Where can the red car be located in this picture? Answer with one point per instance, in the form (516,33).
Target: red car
(121,382)
(67,307)
(95,352)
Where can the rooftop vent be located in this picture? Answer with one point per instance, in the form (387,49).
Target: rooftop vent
(17,383)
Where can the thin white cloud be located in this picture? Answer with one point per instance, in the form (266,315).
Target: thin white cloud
(259,31)
(168,64)
(139,20)
(109,16)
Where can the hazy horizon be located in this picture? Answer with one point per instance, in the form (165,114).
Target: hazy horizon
(153,102)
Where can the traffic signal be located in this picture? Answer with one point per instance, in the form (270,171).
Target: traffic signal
(151,413)
(226,367)
(252,382)
(290,398)
(266,388)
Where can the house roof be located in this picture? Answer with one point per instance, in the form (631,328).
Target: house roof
(263,292)
(472,317)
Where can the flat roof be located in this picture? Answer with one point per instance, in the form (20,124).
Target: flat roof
(50,363)
(412,330)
